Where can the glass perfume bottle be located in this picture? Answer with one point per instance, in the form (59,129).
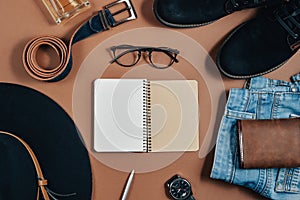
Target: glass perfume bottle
(63,10)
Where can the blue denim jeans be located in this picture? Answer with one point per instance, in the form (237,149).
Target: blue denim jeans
(263,98)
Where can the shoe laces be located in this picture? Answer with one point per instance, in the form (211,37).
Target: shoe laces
(242,3)
(289,18)
(235,5)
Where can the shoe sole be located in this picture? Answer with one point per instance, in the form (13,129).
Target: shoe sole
(241,76)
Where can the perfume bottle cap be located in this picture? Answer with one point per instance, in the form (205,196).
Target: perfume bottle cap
(63,10)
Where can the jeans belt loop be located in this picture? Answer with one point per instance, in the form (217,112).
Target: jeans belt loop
(296,78)
(247,84)
(103,21)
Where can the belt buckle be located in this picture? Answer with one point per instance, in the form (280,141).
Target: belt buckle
(128,8)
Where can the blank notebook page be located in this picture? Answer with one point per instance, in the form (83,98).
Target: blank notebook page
(174,115)
(118,115)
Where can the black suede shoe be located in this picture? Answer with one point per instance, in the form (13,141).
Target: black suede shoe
(263,44)
(193,13)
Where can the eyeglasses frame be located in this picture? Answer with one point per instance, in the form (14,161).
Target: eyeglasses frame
(168,51)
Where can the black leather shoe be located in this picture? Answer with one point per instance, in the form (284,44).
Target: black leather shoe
(263,44)
(193,13)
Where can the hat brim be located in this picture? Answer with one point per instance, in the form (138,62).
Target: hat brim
(53,137)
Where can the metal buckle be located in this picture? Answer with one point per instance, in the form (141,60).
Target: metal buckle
(128,8)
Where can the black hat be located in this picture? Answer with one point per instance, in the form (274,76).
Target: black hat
(55,141)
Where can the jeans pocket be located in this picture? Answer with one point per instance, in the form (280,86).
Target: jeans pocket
(288,180)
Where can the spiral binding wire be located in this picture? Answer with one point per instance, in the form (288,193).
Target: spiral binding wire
(147,137)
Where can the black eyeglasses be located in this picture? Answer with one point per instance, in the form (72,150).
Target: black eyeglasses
(159,57)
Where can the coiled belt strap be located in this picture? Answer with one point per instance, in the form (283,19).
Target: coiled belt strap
(98,23)
(42,182)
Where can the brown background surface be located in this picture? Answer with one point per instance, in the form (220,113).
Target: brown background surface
(23,20)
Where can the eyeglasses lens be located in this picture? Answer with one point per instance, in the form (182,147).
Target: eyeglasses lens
(161,59)
(129,58)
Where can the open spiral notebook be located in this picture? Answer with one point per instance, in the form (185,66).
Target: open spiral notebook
(137,115)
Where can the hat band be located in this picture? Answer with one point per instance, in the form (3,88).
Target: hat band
(42,182)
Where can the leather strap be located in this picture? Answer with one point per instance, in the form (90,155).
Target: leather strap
(42,182)
(98,23)
(190,198)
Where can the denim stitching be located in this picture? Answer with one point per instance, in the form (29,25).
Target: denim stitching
(295,181)
(277,94)
(278,184)
(248,102)
(284,180)
(277,101)
(296,78)
(260,184)
(289,180)
(258,106)
(245,103)
(266,190)
(233,170)
(239,115)
(218,162)
(275,105)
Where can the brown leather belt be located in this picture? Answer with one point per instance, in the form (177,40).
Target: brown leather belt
(98,23)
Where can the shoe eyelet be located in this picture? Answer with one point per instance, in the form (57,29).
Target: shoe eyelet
(296,36)
(236,5)
(245,2)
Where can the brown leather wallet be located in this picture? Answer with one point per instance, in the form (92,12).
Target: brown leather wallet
(269,143)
